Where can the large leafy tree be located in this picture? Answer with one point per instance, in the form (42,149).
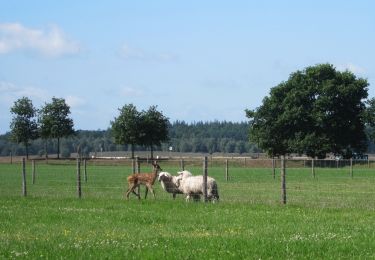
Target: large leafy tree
(316,111)
(369,117)
(126,127)
(154,128)
(23,126)
(55,122)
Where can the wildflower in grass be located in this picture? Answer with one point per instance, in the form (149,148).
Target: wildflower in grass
(19,254)
(67,232)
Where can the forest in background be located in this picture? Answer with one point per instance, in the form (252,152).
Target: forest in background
(200,137)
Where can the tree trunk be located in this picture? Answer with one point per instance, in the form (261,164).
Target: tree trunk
(58,148)
(152,152)
(27,151)
(132,148)
(45,149)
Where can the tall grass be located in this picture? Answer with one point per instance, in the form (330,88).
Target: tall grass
(330,216)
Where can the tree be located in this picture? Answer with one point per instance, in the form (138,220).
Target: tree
(369,117)
(54,121)
(154,128)
(316,111)
(23,126)
(126,127)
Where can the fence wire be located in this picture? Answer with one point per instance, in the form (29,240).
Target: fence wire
(323,183)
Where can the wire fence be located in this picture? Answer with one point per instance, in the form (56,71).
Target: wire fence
(322,183)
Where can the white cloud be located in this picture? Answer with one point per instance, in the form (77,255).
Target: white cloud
(10,92)
(352,68)
(130,53)
(50,42)
(74,101)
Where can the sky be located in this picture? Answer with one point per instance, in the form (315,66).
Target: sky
(195,60)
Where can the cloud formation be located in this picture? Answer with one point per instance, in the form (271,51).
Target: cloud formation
(50,42)
(10,92)
(74,101)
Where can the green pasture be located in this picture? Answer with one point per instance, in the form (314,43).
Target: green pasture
(329,216)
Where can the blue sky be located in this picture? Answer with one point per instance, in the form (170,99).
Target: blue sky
(195,60)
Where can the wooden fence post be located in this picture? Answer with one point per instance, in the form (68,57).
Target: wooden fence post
(182,164)
(274,168)
(205,178)
(138,171)
(351,167)
(33,171)
(11,157)
(85,169)
(79,188)
(138,164)
(226,170)
(283,181)
(24,192)
(312,168)
(133,165)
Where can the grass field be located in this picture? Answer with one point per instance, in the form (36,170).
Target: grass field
(327,217)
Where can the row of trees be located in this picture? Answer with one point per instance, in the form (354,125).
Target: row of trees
(29,123)
(201,137)
(146,128)
(316,111)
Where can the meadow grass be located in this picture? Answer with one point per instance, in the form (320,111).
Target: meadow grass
(327,217)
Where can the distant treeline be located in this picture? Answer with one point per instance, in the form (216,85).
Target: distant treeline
(203,137)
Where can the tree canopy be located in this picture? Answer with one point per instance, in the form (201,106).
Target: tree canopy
(55,122)
(126,127)
(316,111)
(154,128)
(23,126)
(147,128)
